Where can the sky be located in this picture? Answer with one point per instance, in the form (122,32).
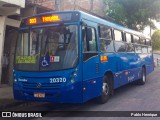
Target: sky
(147,29)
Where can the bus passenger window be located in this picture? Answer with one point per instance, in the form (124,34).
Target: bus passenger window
(138,49)
(128,38)
(106,45)
(120,47)
(118,35)
(148,42)
(105,32)
(149,49)
(144,49)
(143,41)
(130,48)
(136,39)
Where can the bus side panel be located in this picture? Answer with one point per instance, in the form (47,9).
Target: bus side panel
(92,81)
(93,88)
(109,66)
(149,64)
(122,67)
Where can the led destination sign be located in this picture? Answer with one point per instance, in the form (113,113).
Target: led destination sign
(52,18)
(46,19)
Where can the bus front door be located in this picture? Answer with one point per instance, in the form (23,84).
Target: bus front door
(91,82)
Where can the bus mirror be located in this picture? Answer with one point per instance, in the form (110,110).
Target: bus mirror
(83,23)
(89,34)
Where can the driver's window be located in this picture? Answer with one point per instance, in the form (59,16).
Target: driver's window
(89,43)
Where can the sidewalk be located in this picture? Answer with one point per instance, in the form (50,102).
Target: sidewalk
(6,97)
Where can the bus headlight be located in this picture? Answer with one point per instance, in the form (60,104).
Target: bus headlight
(75,74)
(15,80)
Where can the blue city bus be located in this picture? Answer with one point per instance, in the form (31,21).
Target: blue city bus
(73,56)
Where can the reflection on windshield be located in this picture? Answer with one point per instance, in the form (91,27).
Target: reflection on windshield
(46,49)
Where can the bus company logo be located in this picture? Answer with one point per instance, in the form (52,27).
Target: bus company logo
(39,85)
(6,114)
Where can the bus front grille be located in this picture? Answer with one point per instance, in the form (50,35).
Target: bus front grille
(40,86)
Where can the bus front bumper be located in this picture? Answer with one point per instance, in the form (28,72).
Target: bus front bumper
(68,94)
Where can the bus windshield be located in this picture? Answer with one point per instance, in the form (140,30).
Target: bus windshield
(47,48)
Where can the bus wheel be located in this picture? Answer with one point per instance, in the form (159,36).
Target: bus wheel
(142,81)
(106,91)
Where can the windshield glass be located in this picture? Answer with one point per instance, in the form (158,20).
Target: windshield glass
(47,48)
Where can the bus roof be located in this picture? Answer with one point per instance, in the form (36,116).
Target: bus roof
(96,19)
(110,24)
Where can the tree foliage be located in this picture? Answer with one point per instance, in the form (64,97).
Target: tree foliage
(156,40)
(135,14)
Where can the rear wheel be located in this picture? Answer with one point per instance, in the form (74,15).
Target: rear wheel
(106,90)
(142,81)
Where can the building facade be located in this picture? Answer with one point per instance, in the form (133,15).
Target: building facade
(95,6)
(8,8)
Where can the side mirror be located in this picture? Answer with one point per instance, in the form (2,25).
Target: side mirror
(89,34)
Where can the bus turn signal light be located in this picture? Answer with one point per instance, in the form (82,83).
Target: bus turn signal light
(104,58)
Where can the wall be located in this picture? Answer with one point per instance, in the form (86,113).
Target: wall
(95,6)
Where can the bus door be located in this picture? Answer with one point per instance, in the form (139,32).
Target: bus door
(91,84)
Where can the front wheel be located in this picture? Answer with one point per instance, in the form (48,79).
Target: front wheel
(106,91)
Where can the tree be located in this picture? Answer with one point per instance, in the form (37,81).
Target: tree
(135,14)
(156,40)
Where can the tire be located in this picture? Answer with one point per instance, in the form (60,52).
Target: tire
(142,81)
(106,91)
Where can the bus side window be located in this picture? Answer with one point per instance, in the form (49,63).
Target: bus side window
(106,45)
(136,39)
(149,49)
(128,38)
(142,41)
(138,49)
(120,46)
(105,32)
(118,35)
(148,42)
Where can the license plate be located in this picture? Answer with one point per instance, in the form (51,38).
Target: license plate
(39,95)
